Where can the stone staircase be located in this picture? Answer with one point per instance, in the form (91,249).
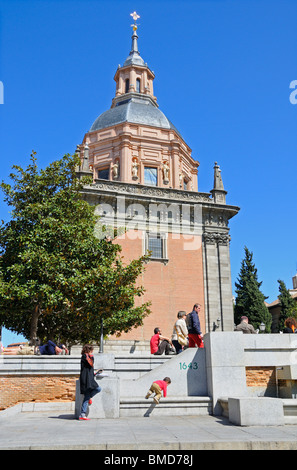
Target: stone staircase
(137,372)
(169,406)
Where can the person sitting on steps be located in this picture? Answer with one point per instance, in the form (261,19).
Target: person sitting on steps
(160,344)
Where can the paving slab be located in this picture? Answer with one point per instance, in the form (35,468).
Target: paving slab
(59,430)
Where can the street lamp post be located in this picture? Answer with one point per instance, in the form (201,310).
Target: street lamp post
(101,337)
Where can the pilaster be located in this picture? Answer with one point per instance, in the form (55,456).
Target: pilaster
(217,281)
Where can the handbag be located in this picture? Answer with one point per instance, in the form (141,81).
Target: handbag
(182,340)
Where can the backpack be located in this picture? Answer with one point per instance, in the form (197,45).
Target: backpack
(189,321)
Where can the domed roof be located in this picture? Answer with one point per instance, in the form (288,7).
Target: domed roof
(134,110)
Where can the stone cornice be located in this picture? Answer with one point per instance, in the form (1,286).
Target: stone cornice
(161,195)
(130,190)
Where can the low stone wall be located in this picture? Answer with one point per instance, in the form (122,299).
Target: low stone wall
(240,365)
(36,388)
(42,378)
(232,364)
(37,379)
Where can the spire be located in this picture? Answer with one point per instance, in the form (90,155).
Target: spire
(134,77)
(134,56)
(218,192)
(218,182)
(84,169)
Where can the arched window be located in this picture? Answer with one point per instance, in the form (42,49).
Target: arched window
(138,85)
(127,85)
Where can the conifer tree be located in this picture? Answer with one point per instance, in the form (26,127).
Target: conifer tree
(288,306)
(250,301)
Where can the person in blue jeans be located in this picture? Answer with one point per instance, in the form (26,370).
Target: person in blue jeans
(88,385)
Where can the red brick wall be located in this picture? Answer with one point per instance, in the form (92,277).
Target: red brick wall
(260,377)
(36,388)
(172,287)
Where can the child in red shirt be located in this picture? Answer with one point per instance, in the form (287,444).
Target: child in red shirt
(157,387)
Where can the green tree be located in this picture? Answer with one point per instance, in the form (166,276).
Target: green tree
(288,306)
(250,301)
(57,279)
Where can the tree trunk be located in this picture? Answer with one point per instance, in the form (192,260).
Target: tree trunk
(33,326)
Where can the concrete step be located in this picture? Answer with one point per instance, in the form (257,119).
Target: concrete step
(118,347)
(169,406)
(124,347)
(133,367)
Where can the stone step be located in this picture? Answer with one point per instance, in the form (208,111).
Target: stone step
(169,406)
(133,367)
(118,347)
(124,347)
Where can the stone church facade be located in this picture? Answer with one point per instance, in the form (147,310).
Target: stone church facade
(145,179)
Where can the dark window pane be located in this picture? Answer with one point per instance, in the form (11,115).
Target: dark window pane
(103,174)
(127,85)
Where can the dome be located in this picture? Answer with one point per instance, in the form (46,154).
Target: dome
(133,110)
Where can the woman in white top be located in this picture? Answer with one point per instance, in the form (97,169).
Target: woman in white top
(180,332)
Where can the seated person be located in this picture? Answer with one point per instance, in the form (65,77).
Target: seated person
(160,344)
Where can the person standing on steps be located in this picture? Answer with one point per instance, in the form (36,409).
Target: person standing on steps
(88,385)
(194,330)
(180,333)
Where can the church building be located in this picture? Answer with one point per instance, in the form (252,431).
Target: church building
(145,179)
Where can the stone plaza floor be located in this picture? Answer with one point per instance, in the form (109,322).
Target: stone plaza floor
(59,430)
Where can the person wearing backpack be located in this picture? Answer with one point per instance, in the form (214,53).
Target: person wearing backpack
(195,335)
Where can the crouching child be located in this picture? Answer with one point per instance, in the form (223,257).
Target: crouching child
(157,388)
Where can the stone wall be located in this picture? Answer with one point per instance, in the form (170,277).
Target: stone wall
(232,364)
(36,388)
(37,379)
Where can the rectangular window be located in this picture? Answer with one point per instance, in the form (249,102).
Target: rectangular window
(156,244)
(127,85)
(150,176)
(138,85)
(103,174)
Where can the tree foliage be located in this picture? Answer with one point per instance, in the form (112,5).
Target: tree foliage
(250,301)
(57,280)
(288,306)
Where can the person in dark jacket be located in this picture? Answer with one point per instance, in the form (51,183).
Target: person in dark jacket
(194,330)
(88,385)
(50,349)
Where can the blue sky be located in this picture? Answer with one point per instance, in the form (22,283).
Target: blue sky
(223,71)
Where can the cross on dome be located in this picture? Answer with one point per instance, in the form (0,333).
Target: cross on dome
(135,17)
